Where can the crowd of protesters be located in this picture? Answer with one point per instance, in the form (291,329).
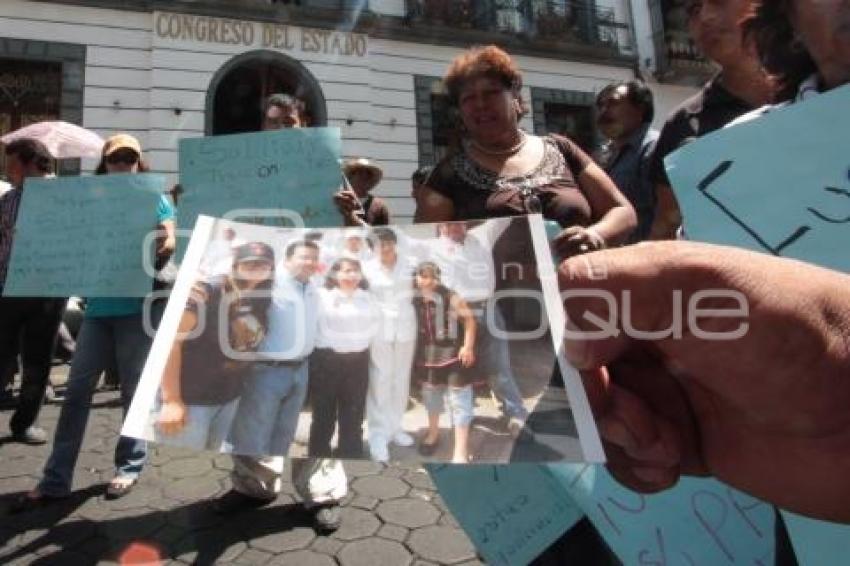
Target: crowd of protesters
(765,418)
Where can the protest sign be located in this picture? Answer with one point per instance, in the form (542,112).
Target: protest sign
(779,184)
(817,542)
(281,178)
(510,512)
(84,236)
(699,521)
(427,289)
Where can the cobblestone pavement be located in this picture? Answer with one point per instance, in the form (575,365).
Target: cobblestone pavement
(392,516)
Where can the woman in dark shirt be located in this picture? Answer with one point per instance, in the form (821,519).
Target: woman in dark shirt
(502,171)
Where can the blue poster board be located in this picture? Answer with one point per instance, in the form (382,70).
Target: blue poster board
(83,236)
(510,512)
(779,184)
(277,178)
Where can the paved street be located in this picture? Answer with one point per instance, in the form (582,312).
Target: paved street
(393,514)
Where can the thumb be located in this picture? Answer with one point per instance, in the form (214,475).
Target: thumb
(609,294)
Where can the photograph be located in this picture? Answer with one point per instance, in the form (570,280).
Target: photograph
(427,342)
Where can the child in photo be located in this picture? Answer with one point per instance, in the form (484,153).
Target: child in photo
(444,352)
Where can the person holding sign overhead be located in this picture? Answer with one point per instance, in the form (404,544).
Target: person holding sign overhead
(112,330)
(321,483)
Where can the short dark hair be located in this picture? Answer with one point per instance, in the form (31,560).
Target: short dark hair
(31,152)
(637,93)
(292,246)
(283,100)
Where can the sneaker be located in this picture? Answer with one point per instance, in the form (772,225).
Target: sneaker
(379,452)
(327,517)
(33,435)
(515,426)
(403,439)
(234,502)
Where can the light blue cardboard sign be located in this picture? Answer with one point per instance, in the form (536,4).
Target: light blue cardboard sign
(779,184)
(817,542)
(277,178)
(511,513)
(700,521)
(83,236)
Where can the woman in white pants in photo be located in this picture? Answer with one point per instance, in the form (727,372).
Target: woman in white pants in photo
(390,281)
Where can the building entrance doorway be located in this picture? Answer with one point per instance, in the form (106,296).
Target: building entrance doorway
(237,92)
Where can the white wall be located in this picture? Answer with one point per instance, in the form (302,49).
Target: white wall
(134,80)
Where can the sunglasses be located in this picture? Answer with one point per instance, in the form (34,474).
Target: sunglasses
(123,157)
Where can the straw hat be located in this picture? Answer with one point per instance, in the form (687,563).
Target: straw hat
(361,163)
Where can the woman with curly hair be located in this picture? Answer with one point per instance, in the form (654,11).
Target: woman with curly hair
(202,380)
(500,170)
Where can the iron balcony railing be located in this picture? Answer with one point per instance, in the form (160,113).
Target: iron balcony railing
(535,20)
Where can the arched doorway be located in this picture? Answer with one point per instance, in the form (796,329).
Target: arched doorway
(237,91)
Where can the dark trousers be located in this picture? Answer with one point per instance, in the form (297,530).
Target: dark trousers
(338,384)
(29,323)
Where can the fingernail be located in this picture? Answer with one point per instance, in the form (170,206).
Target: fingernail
(615,432)
(654,476)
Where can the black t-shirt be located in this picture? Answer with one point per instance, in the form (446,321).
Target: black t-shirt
(207,375)
(708,110)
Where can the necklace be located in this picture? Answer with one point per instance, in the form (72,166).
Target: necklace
(523,138)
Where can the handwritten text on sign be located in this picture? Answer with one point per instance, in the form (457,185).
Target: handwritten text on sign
(700,521)
(294,172)
(83,236)
(509,512)
(779,184)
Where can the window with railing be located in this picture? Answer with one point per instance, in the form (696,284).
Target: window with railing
(570,21)
(676,52)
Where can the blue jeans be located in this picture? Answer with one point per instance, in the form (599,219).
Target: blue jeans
(460,402)
(101,340)
(495,360)
(206,426)
(268,410)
